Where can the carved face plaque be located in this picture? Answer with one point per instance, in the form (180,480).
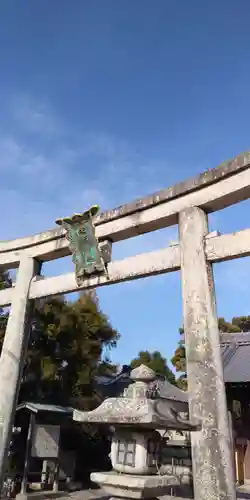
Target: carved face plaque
(83,244)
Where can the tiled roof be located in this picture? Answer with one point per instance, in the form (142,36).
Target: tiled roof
(38,407)
(113,387)
(235,352)
(169,391)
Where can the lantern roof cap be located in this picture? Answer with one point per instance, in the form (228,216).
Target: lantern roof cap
(143,373)
(140,406)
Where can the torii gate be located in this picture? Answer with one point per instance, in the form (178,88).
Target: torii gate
(187,205)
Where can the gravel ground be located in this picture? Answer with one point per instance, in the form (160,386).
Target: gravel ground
(242,494)
(99,494)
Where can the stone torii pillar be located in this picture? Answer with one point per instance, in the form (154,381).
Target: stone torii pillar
(211,448)
(13,354)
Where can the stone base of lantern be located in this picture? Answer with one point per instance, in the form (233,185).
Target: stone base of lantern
(132,486)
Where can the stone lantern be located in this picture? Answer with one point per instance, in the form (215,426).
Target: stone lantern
(136,444)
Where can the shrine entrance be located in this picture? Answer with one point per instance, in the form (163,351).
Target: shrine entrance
(186,204)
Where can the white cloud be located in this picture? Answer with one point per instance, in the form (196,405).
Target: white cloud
(48,171)
(35,115)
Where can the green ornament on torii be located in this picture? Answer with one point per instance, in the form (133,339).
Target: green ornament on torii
(83,243)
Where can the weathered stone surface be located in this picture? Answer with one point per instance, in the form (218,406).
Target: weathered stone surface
(211,176)
(218,249)
(131,221)
(211,451)
(12,356)
(180,493)
(140,405)
(128,486)
(166,260)
(144,461)
(143,373)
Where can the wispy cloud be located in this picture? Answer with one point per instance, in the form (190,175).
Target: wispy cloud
(49,170)
(35,115)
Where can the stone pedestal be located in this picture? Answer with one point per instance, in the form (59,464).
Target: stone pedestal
(131,486)
(136,445)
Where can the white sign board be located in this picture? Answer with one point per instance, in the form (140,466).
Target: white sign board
(45,441)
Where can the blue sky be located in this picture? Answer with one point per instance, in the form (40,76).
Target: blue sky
(105,101)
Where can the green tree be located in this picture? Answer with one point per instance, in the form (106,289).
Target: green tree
(156,362)
(5,280)
(237,325)
(69,344)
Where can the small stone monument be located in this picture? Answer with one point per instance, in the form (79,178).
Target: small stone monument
(136,444)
